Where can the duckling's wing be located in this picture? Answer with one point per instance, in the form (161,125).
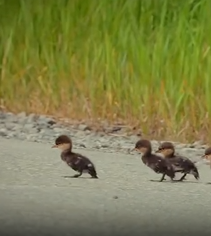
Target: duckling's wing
(73,162)
(170,164)
(158,163)
(87,163)
(176,162)
(151,162)
(190,166)
(183,162)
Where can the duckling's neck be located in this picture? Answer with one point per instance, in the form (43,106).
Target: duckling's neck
(67,153)
(170,155)
(148,153)
(65,147)
(67,150)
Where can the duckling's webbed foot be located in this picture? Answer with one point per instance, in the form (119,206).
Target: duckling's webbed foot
(161,180)
(94,176)
(76,175)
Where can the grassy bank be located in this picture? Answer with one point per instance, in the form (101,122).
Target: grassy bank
(143,61)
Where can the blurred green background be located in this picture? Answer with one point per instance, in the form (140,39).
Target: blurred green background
(146,62)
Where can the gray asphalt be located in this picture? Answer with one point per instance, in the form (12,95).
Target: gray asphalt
(36,199)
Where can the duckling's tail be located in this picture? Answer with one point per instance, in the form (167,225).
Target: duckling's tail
(92,171)
(195,172)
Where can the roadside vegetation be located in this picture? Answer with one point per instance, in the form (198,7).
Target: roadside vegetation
(145,62)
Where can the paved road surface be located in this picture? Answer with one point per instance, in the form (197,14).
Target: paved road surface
(35,198)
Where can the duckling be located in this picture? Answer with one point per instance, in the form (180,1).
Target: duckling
(157,163)
(76,161)
(207,155)
(180,164)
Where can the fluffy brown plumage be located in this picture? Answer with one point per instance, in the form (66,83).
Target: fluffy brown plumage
(180,164)
(153,161)
(207,155)
(76,161)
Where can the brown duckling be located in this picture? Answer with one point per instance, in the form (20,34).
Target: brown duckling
(157,163)
(207,155)
(180,164)
(76,161)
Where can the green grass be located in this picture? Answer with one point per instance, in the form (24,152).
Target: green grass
(142,61)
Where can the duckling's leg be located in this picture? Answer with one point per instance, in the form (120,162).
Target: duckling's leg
(183,177)
(163,178)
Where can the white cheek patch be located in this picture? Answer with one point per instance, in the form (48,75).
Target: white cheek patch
(209,157)
(160,154)
(142,150)
(63,146)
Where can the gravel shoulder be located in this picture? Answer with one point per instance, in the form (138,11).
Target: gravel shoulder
(35,198)
(109,139)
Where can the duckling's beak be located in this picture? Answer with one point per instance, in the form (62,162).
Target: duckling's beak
(208,157)
(158,151)
(134,149)
(54,146)
(203,157)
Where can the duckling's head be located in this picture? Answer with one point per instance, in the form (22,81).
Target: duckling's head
(207,154)
(143,146)
(166,149)
(63,142)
